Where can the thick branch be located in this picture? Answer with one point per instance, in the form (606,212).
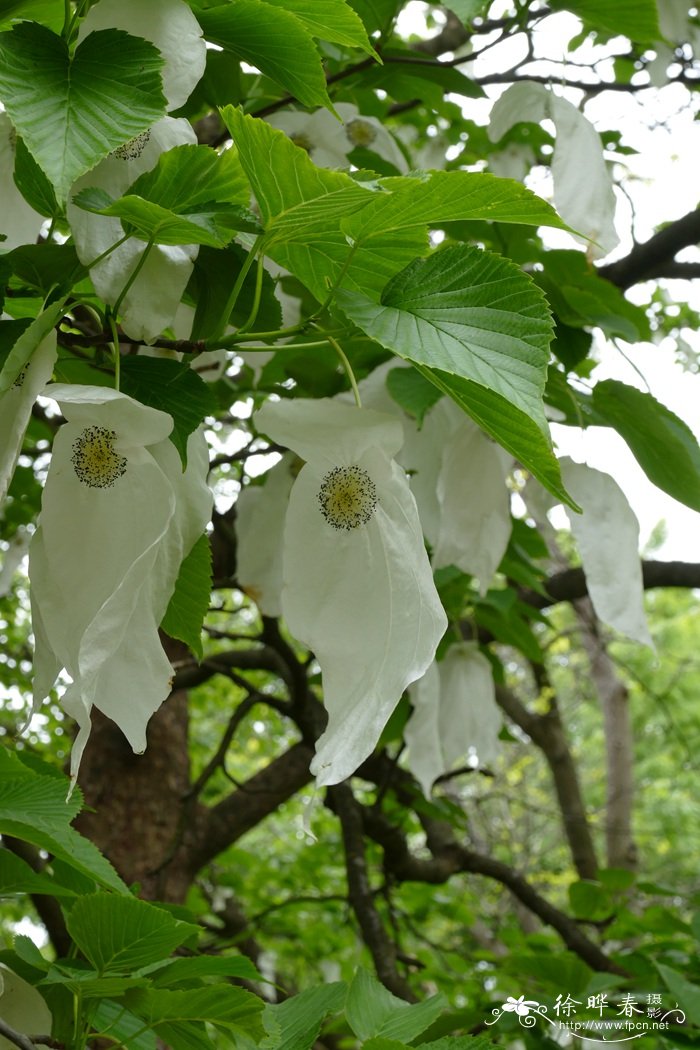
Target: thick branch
(262,659)
(450,858)
(360,894)
(22,1041)
(570,585)
(655,255)
(222,825)
(547,731)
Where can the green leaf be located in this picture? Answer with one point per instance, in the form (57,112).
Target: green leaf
(332,20)
(377,15)
(87,984)
(412,391)
(188,606)
(172,387)
(115,1021)
(33,807)
(121,934)
(507,425)
(184,971)
(636,19)
(663,445)
(302,208)
(193,195)
(32,183)
(17,877)
(48,12)
(179,1016)
(295,1024)
(71,112)
(469,313)
(589,900)
(468,9)
(47,268)
(686,993)
(371,1011)
(448,196)
(273,40)
(27,343)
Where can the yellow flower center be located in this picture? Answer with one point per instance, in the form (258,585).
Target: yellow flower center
(96,463)
(348,497)
(133,149)
(360,132)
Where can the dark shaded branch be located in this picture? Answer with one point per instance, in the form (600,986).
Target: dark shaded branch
(22,1041)
(450,858)
(216,829)
(48,908)
(262,659)
(360,894)
(570,585)
(648,259)
(547,731)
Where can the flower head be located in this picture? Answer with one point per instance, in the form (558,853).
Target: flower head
(328,141)
(357,589)
(118,516)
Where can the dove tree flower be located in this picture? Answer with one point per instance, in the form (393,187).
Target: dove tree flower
(118,516)
(358,589)
(151,302)
(454,712)
(328,141)
(260,515)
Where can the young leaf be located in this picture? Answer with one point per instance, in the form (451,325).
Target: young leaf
(663,445)
(190,601)
(71,112)
(273,40)
(467,313)
(295,1024)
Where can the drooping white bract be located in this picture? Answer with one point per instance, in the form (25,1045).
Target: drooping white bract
(455,711)
(19,223)
(171,26)
(118,516)
(23,1008)
(260,517)
(475,522)
(607,536)
(152,301)
(358,590)
(16,406)
(583,189)
(328,141)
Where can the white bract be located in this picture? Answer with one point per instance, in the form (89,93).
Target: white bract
(152,300)
(328,141)
(16,406)
(118,516)
(171,26)
(454,712)
(19,223)
(583,189)
(358,590)
(607,536)
(260,515)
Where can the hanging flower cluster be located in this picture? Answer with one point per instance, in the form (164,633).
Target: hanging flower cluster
(357,585)
(118,516)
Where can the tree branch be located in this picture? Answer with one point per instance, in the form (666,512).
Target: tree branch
(657,254)
(360,895)
(569,585)
(22,1041)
